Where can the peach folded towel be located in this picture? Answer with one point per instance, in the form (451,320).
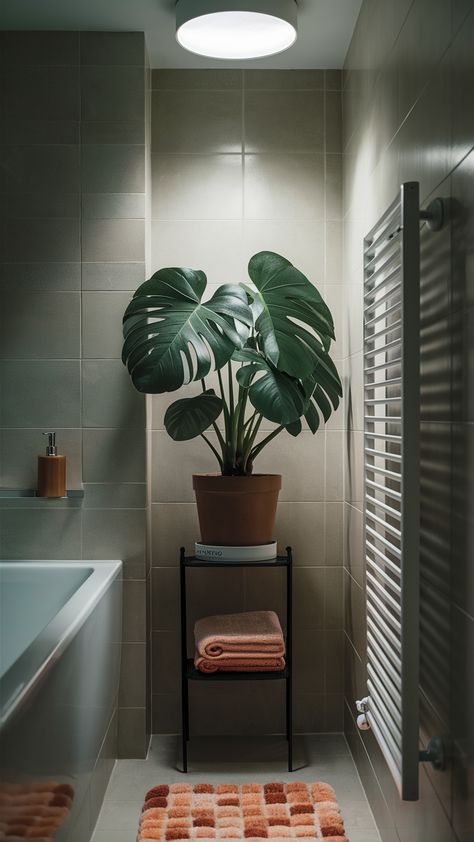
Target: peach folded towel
(248,642)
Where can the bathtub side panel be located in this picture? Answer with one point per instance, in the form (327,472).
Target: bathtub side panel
(65,731)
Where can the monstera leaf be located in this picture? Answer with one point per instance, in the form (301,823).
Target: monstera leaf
(172,338)
(295,326)
(276,395)
(189,417)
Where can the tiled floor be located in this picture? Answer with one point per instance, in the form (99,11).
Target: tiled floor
(323,757)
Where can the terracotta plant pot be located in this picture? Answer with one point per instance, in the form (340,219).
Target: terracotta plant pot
(236,511)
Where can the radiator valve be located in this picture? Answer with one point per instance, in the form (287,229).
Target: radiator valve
(362,706)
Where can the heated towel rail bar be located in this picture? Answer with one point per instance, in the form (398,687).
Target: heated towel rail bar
(391,470)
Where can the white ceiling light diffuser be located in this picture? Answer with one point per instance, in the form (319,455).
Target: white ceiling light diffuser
(236,29)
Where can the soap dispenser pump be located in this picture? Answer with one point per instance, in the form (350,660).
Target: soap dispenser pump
(51,471)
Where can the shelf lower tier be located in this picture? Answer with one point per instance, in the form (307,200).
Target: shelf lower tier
(192,674)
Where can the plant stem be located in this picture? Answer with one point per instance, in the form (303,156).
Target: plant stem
(231,388)
(215,452)
(254,453)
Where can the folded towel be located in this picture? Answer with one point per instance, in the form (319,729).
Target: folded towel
(239,665)
(247,642)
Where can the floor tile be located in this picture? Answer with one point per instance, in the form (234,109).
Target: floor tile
(324,757)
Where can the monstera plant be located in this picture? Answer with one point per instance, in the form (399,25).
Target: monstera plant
(273,338)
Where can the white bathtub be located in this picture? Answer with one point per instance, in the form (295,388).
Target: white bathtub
(60,642)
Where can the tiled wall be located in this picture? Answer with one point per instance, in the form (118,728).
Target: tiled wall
(245,161)
(407,107)
(71,250)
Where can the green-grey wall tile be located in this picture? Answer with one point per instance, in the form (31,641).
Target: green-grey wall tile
(114,495)
(196,121)
(166,718)
(132,675)
(41,533)
(43,205)
(132,740)
(165,651)
(112,93)
(113,239)
(302,130)
(277,80)
(333,101)
(40,49)
(196,80)
(112,276)
(113,456)
(40,277)
(102,314)
(40,393)
(49,169)
(134,611)
(40,325)
(309,597)
(111,48)
(39,240)
(112,131)
(113,168)
(116,534)
(38,132)
(108,396)
(165,598)
(41,93)
(333,80)
(113,205)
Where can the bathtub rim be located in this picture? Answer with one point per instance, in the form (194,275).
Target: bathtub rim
(45,650)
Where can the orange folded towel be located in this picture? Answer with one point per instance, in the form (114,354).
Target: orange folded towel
(247,642)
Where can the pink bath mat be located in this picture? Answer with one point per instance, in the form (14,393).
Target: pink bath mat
(251,812)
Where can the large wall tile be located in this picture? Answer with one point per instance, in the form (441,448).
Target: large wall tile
(284,186)
(41,533)
(202,187)
(39,325)
(39,240)
(301,242)
(113,48)
(39,49)
(40,169)
(196,80)
(40,393)
(173,525)
(192,244)
(116,534)
(38,277)
(113,205)
(196,122)
(112,131)
(108,396)
(40,93)
(277,80)
(111,277)
(102,314)
(113,168)
(113,239)
(113,455)
(301,129)
(112,93)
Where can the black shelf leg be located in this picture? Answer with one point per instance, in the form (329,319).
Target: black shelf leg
(289,657)
(185,722)
(184,679)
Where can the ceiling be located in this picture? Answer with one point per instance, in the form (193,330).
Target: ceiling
(325,28)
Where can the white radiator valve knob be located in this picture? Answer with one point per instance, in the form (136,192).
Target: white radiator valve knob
(363,705)
(362,722)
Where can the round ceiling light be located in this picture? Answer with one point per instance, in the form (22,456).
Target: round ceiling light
(236,29)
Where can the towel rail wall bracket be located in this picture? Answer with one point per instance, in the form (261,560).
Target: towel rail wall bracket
(434,753)
(435,214)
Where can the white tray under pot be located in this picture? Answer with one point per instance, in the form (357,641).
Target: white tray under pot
(259,552)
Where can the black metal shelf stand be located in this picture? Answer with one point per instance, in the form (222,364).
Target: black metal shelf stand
(190,673)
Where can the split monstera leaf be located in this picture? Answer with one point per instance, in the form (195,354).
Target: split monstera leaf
(272,336)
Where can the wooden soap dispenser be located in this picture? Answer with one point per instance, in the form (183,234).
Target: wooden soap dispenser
(51,471)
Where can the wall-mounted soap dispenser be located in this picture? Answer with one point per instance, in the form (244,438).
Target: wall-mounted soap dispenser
(51,471)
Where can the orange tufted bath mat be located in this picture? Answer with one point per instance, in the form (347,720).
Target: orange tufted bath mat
(34,810)
(251,812)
